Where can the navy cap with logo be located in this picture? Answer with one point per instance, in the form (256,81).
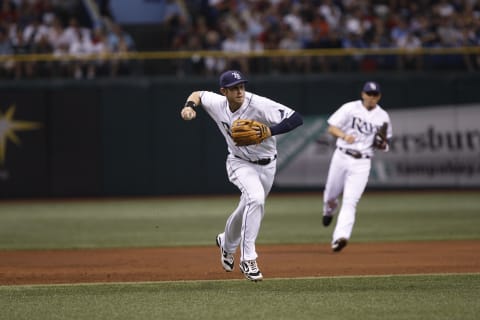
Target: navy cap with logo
(371,86)
(231,78)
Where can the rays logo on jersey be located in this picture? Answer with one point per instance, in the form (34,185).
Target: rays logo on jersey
(226,126)
(362,126)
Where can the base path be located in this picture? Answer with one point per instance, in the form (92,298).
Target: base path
(203,263)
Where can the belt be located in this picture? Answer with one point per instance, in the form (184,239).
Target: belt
(262,162)
(354,153)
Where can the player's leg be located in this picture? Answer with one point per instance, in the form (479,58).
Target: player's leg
(253,215)
(233,227)
(334,184)
(229,240)
(246,177)
(257,188)
(231,236)
(355,183)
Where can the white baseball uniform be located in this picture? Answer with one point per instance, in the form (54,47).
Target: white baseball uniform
(254,180)
(346,173)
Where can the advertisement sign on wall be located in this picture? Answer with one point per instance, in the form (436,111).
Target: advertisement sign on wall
(436,146)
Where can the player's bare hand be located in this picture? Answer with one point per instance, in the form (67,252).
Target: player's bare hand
(349,138)
(188,113)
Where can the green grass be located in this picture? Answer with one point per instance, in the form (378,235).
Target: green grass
(436,297)
(194,221)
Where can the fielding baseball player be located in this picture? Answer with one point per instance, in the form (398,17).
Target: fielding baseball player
(360,127)
(249,124)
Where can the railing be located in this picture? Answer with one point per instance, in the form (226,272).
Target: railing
(312,60)
(160,55)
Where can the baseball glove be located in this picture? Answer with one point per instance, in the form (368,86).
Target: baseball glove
(246,132)
(380,138)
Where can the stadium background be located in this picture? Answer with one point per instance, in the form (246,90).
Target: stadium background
(87,159)
(124,137)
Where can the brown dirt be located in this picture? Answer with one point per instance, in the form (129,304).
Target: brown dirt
(202,263)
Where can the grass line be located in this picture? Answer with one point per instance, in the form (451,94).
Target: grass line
(379,297)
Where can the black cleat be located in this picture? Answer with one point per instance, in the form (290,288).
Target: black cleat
(339,244)
(327,220)
(251,271)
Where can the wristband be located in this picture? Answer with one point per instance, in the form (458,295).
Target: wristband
(190,104)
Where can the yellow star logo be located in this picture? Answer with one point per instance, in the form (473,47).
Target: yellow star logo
(8,126)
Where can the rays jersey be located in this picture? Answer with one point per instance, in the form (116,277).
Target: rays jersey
(354,119)
(254,107)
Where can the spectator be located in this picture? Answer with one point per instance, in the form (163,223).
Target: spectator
(444,9)
(43,47)
(235,47)
(410,60)
(320,27)
(81,48)
(290,41)
(196,64)
(22,47)
(101,50)
(8,14)
(327,63)
(47,12)
(352,41)
(258,25)
(117,38)
(399,30)
(26,14)
(6,67)
(254,22)
(74,31)
(119,42)
(60,48)
(293,18)
(425,30)
(213,65)
(55,34)
(331,12)
(174,21)
(448,33)
(34,31)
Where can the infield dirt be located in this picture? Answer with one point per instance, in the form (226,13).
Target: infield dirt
(203,263)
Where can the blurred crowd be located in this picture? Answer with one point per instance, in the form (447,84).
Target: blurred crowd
(256,25)
(62,28)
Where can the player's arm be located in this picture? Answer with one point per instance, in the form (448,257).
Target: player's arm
(188,111)
(338,133)
(287,124)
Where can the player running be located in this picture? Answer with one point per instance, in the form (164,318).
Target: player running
(355,125)
(251,168)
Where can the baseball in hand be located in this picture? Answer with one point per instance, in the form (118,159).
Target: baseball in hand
(188,113)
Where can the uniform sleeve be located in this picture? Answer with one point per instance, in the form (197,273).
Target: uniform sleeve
(206,99)
(340,117)
(274,112)
(211,102)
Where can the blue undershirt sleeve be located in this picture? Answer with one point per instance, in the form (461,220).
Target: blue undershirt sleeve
(287,124)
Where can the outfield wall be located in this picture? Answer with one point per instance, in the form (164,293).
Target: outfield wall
(125,136)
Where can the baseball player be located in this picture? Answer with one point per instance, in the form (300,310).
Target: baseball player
(361,127)
(251,167)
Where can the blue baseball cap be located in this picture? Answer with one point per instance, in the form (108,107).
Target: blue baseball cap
(231,78)
(371,86)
